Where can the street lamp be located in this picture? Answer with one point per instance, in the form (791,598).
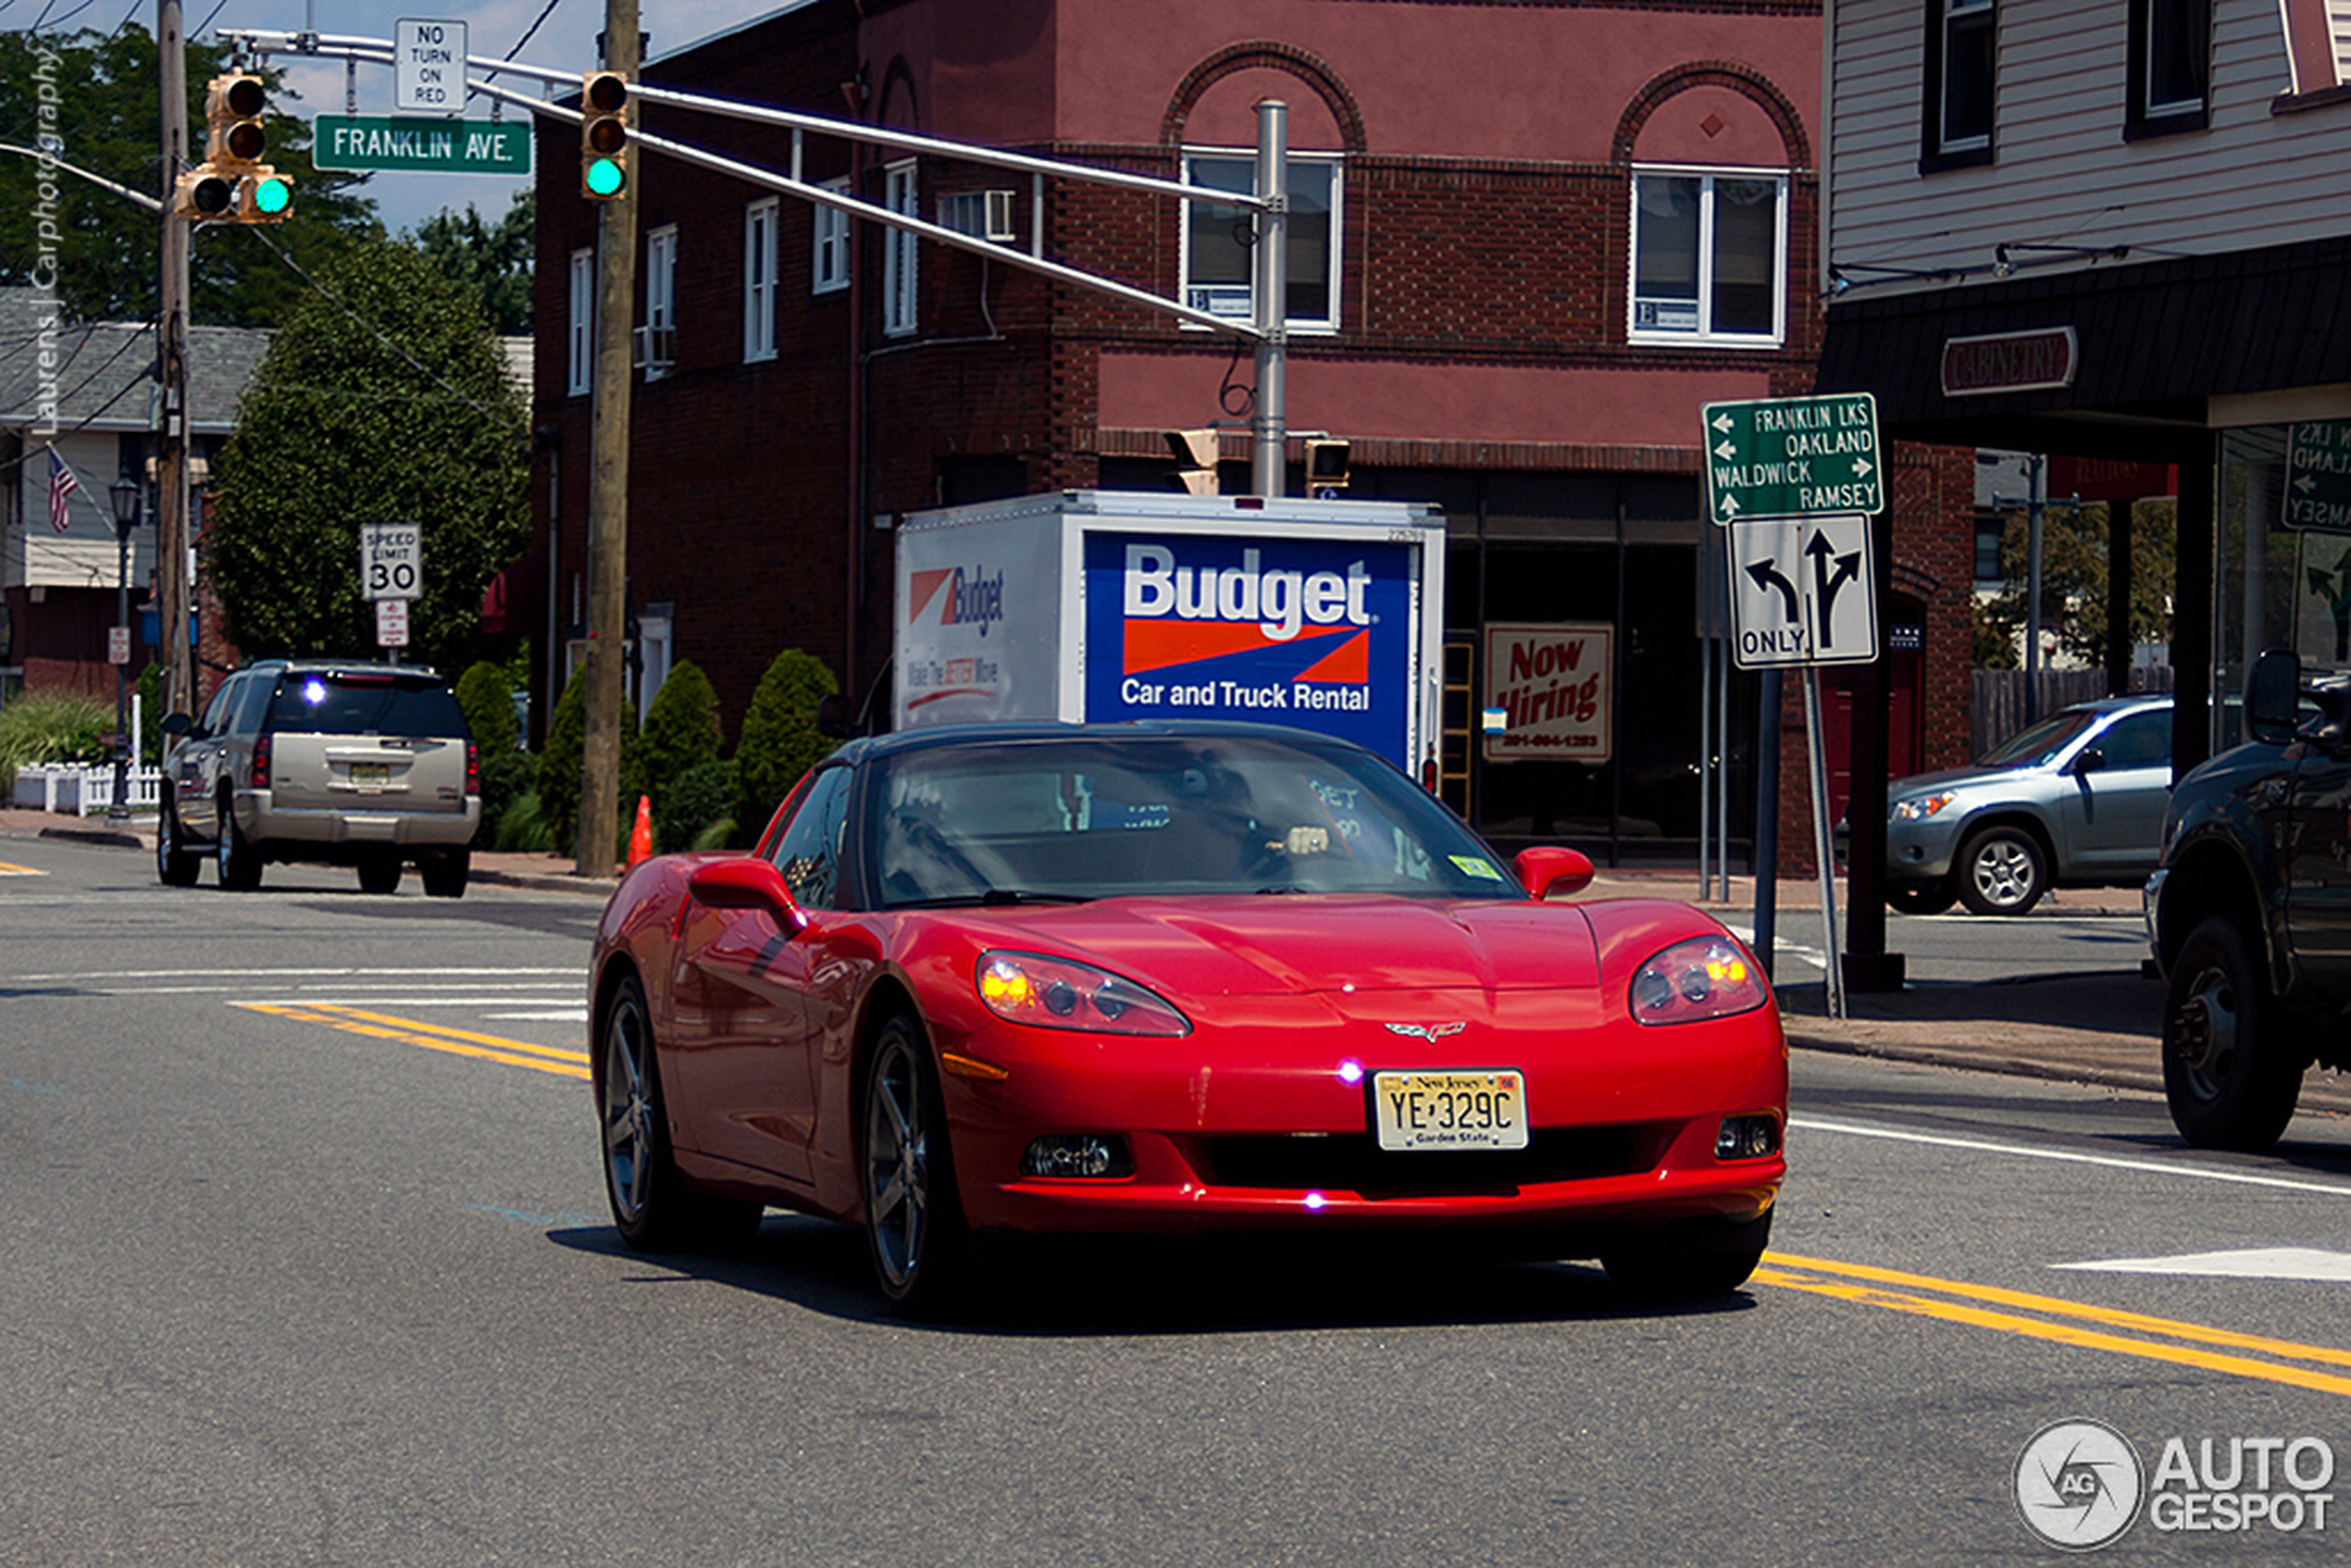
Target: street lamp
(125,493)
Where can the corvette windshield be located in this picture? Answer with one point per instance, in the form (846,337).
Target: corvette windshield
(1101,816)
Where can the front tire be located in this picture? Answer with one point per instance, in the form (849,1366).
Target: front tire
(2001,871)
(914,1223)
(238,862)
(176,863)
(1690,1262)
(652,1207)
(2230,1071)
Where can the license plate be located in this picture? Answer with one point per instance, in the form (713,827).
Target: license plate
(1485,1109)
(371,773)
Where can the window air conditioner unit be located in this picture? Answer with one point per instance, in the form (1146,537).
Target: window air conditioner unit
(653,348)
(984,215)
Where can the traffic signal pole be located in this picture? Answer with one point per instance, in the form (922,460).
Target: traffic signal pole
(171,373)
(608,484)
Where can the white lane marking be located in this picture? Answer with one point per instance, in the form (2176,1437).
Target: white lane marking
(1811,955)
(412,972)
(550,1015)
(2066,1156)
(2251,1263)
(377,1000)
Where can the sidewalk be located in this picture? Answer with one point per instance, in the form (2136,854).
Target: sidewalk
(2094,1028)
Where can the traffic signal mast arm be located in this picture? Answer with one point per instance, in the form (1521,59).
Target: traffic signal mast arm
(376,50)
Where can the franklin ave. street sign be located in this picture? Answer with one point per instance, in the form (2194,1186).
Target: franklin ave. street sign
(2318,475)
(447,146)
(1793,457)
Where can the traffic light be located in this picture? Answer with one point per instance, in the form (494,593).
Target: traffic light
(604,135)
(232,185)
(1325,468)
(1195,454)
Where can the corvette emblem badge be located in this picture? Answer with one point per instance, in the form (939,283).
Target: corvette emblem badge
(1427,1031)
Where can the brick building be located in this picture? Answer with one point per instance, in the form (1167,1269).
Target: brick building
(1529,241)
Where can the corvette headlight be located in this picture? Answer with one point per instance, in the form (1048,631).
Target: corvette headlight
(1060,993)
(1918,808)
(1704,977)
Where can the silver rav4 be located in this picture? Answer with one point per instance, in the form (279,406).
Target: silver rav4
(354,764)
(2075,800)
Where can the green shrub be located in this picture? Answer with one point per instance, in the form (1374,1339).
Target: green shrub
(506,777)
(519,829)
(716,836)
(561,762)
(780,739)
(488,698)
(695,799)
(50,727)
(680,734)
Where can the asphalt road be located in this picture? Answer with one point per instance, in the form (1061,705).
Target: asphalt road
(306,1262)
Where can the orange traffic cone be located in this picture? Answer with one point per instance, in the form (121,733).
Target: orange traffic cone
(640,837)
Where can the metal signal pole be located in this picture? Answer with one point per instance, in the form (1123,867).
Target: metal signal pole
(608,484)
(171,374)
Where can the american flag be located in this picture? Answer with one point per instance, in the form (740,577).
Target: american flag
(62,484)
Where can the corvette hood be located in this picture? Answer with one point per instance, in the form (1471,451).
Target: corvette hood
(1300,944)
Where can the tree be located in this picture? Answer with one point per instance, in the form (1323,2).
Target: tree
(104,88)
(2074,557)
(780,739)
(494,258)
(488,699)
(384,399)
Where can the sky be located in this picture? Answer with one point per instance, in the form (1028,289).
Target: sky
(565,40)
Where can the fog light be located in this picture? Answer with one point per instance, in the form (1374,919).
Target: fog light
(1747,1137)
(1095,1156)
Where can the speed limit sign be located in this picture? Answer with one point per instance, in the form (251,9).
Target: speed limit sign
(391,560)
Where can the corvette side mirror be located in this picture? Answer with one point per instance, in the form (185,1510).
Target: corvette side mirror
(746,883)
(1546,870)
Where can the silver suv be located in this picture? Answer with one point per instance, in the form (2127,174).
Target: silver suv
(2075,800)
(320,760)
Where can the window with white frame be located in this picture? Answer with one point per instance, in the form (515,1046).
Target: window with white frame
(659,350)
(1963,38)
(1710,250)
(759,279)
(829,244)
(581,360)
(2171,67)
(1220,242)
(899,252)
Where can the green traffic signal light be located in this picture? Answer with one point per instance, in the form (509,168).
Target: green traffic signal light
(272,196)
(605,177)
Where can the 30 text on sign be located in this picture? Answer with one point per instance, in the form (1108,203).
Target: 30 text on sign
(1793,457)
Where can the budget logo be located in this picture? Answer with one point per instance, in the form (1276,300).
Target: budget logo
(1179,614)
(963,598)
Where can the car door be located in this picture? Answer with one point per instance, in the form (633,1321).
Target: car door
(2314,852)
(2115,791)
(742,1025)
(196,762)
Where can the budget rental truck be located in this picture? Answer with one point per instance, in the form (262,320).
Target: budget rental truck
(1108,605)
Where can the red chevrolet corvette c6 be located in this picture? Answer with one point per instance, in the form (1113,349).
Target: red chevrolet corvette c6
(1173,978)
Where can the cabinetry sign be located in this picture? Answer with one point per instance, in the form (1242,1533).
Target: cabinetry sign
(391,560)
(1792,457)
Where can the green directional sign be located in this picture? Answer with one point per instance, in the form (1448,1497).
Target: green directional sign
(1793,457)
(2318,475)
(403,142)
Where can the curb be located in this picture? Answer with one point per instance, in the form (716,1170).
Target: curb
(106,838)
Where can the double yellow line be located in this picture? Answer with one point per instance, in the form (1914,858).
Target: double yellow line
(2063,1322)
(432,1037)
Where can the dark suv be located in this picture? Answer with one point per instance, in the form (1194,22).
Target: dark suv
(2250,914)
(354,764)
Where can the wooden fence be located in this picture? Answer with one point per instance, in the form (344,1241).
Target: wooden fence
(1999,697)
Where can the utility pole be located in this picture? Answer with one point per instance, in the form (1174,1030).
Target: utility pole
(1268,417)
(608,481)
(171,375)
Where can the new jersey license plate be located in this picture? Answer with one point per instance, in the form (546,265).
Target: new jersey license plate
(1483,1109)
(371,773)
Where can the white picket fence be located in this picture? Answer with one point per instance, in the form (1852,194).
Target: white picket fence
(84,789)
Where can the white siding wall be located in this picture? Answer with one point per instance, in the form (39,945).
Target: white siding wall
(2063,174)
